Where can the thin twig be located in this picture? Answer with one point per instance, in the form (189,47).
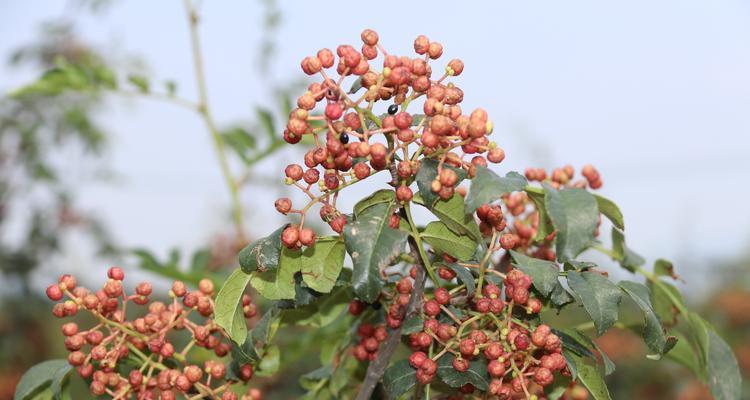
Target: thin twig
(205,111)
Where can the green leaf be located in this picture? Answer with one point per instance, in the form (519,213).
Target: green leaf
(343,376)
(381,196)
(627,258)
(599,296)
(266,328)
(170,87)
(543,273)
(171,268)
(683,354)
(241,141)
(412,325)
(200,261)
(571,336)
(557,391)
(228,307)
(322,263)
(254,346)
(278,284)
(545,226)
(38,377)
(266,120)
(464,276)
(578,265)
(441,238)
(303,295)
(575,342)
(58,381)
(476,374)
(372,245)
(140,82)
(399,378)
(323,311)
(663,267)
(570,359)
(663,297)
(610,210)
(487,187)
(560,296)
(451,213)
(590,377)
(427,173)
(245,353)
(263,254)
(653,333)
(315,380)
(575,216)
(722,373)
(270,362)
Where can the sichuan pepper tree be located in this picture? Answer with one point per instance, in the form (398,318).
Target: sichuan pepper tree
(464,306)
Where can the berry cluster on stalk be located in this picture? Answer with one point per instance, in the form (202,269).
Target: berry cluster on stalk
(352,144)
(138,358)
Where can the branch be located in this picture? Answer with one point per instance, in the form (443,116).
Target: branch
(377,367)
(205,111)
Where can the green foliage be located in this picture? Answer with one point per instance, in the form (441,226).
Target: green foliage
(487,187)
(399,378)
(464,276)
(590,377)
(545,223)
(476,374)
(653,334)
(583,346)
(372,245)
(40,376)
(451,213)
(228,306)
(172,268)
(663,267)
(383,196)
(544,274)
(278,283)
(263,254)
(441,238)
(575,215)
(600,297)
(666,300)
(67,76)
(611,211)
(140,82)
(627,258)
(428,171)
(321,264)
(717,361)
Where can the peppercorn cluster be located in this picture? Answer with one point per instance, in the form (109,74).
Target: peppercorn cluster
(139,358)
(352,142)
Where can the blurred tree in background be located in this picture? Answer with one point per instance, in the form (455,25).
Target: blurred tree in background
(45,125)
(38,134)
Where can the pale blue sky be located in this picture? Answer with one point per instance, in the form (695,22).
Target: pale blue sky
(655,94)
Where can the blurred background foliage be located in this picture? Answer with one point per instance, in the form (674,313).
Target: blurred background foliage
(51,135)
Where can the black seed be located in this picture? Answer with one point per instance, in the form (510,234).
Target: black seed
(344,138)
(393,109)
